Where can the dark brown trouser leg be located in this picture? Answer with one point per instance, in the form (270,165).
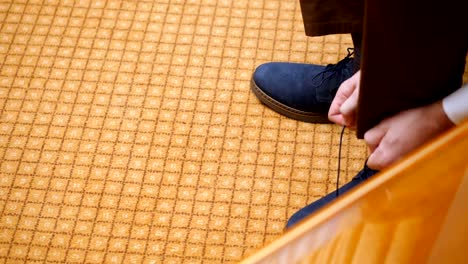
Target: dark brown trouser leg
(413,55)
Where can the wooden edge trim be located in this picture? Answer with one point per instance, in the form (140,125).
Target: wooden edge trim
(417,156)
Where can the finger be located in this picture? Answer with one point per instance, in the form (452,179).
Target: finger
(337,119)
(337,102)
(348,109)
(349,106)
(376,160)
(344,92)
(383,156)
(350,121)
(374,136)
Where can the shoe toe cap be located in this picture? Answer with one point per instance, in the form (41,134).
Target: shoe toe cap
(288,83)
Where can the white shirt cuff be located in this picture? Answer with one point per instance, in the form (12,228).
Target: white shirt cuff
(456,105)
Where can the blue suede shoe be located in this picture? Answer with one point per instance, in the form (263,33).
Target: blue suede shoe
(363,175)
(301,91)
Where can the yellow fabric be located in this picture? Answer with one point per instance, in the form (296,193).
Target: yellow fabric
(128,133)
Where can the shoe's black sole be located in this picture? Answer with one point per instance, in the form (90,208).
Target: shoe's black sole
(285,110)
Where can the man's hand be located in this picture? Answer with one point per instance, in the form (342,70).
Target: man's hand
(398,135)
(343,108)
(395,136)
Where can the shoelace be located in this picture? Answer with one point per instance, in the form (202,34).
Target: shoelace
(339,163)
(331,69)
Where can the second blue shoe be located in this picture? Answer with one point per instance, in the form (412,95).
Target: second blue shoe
(363,175)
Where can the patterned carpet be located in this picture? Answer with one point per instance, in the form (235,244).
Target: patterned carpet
(128,132)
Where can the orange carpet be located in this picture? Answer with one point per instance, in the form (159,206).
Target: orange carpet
(128,133)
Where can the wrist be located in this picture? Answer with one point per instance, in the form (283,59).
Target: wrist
(440,117)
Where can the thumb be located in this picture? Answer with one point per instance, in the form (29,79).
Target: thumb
(348,109)
(374,136)
(376,159)
(384,155)
(349,106)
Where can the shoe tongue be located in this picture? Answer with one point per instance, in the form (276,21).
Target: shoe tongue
(339,69)
(328,81)
(344,63)
(344,70)
(339,65)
